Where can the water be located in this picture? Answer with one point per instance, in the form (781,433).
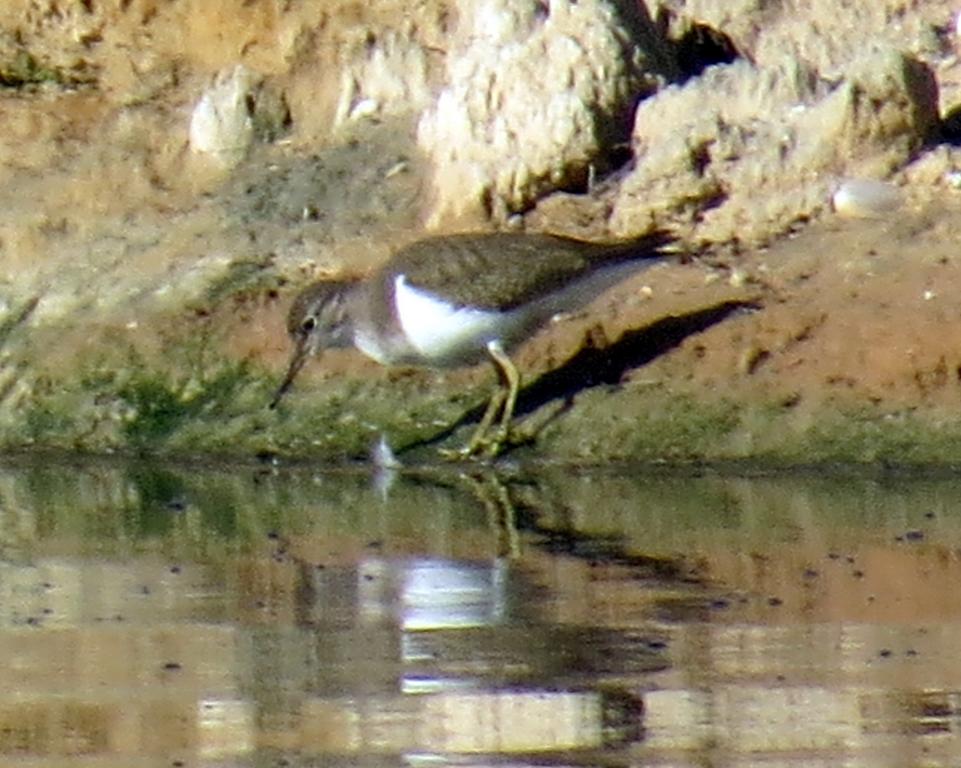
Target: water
(247,616)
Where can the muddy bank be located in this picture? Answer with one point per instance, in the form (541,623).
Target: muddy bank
(146,266)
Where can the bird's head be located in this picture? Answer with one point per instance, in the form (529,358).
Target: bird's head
(318,319)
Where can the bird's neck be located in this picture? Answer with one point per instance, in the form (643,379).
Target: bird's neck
(374,325)
(347,305)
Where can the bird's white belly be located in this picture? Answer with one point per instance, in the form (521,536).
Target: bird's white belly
(444,334)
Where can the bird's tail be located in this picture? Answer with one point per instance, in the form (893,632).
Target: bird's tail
(656,245)
(624,260)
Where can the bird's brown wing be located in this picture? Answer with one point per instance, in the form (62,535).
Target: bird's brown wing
(503,270)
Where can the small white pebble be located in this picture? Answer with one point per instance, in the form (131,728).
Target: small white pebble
(646,291)
(865,199)
(928,295)
(364,108)
(737,279)
(398,167)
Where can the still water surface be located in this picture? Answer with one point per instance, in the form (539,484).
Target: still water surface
(244,616)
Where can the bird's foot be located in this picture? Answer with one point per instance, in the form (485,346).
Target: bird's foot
(486,449)
(486,446)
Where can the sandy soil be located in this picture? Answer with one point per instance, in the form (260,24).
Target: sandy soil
(142,296)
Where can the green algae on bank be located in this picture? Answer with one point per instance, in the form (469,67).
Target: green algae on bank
(656,424)
(186,403)
(185,398)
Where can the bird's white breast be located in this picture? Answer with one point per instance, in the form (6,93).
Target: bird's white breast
(443,333)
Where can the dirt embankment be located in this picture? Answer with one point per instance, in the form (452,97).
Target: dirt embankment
(146,266)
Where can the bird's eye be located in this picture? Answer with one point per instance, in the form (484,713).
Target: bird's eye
(309,323)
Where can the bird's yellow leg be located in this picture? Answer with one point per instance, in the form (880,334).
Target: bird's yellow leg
(479,438)
(512,381)
(502,402)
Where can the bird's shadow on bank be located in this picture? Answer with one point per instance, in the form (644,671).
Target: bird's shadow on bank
(607,365)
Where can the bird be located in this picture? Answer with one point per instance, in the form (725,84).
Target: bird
(451,300)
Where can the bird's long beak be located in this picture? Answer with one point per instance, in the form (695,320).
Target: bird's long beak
(297,359)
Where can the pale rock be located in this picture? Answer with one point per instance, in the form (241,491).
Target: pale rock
(826,35)
(532,93)
(221,124)
(743,151)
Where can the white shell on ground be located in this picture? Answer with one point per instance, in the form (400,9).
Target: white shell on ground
(866,199)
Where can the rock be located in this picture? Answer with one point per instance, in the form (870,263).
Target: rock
(534,96)
(878,117)
(760,146)
(221,124)
(238,109)
(826,35)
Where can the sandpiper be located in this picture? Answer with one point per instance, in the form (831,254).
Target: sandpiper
(457,299)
